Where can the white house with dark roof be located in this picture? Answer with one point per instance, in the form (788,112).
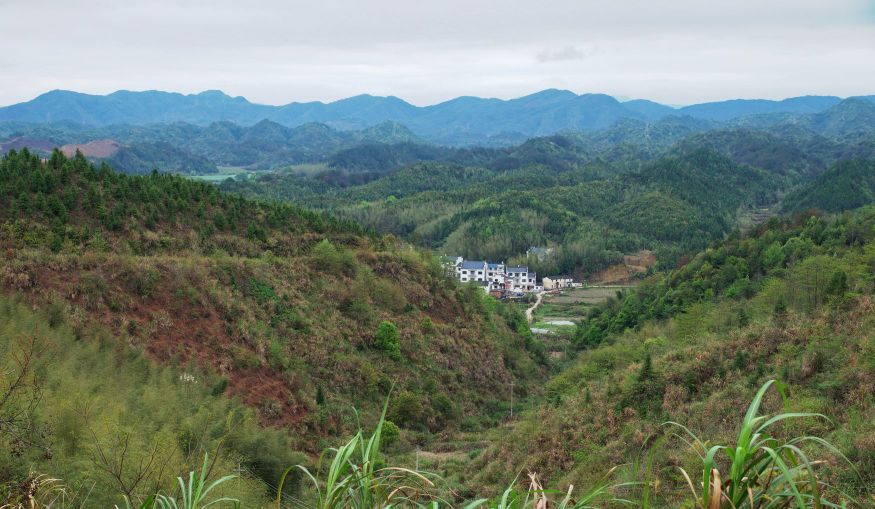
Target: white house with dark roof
(519,279)
(468,271)
(496,275)
(493,277)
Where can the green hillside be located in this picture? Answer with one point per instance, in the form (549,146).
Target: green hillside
(845,186)
(674,205)
(284,317)
(791,300)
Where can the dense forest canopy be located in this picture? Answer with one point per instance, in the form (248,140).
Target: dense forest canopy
(670,186)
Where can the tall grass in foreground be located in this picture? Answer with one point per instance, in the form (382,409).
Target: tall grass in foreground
(536,497)
(763,472)
(355,479)
(194,493)
(759,471)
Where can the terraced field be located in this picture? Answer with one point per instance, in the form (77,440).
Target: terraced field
(560,313)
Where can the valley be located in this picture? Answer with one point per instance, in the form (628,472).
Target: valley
(573,254)
(257,293)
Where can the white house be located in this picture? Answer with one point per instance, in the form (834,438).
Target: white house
(554,283)
(495,275)
(471,271)
(519,279)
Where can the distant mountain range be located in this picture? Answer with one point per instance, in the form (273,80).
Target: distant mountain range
(138,131)
(460,121)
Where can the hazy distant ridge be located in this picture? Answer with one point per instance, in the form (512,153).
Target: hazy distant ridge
(454,121)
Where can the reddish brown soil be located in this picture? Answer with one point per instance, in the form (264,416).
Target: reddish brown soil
(632,268)
(194,334)
(96,148)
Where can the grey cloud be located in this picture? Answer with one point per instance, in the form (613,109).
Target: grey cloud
(278,51)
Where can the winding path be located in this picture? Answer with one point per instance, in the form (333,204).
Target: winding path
(530,311)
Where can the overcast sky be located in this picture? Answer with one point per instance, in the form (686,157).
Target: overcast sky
(279,51)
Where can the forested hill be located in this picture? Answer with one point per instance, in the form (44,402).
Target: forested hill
(673,205)
(847,185)
(69,201)
(790,300)
(201,296)
(670,186)
(194,149)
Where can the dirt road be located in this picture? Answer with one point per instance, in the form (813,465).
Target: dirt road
(530,311)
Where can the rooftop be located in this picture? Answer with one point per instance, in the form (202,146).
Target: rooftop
(469,265)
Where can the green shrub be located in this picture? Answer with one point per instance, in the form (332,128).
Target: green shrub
(357,308)
(277,355)
(470,424)
(329,258)
(388,295)
(291,317)
(444,407)
(262,291)
(391,433)
(388,340)
(219,387)
(141,281)
(427,325)
(406,409)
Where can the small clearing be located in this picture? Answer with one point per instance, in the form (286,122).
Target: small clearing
(633,267)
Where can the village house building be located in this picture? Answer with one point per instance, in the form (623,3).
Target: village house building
(495,278)
(469,271)
(519,279)
(557,282)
